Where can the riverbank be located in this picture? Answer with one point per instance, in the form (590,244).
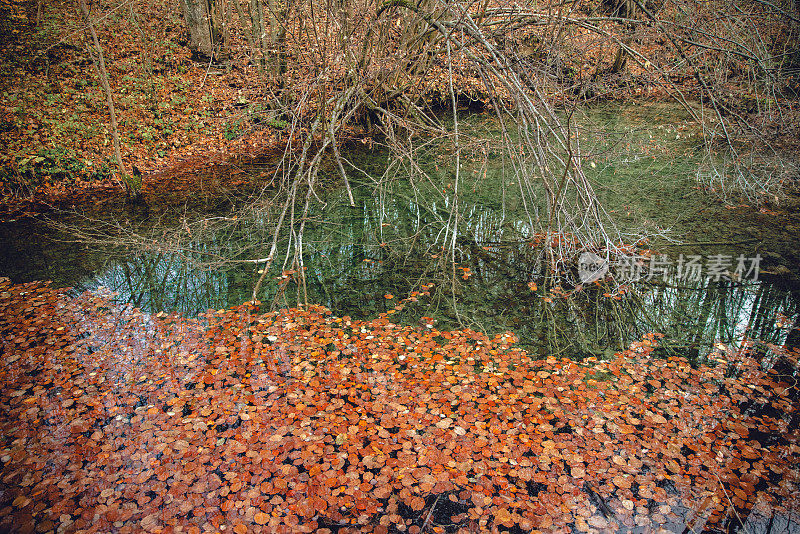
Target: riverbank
(175,109)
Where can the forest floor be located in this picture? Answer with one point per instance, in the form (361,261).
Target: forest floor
(299,421)
(176,114)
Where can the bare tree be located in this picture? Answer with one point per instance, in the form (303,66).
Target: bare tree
(132,183)
(397,73)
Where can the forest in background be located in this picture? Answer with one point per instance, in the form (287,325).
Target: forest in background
(241,78)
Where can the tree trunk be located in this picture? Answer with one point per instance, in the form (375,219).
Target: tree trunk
(259,33)
(249,33)
(133,185)
(625,9)
(277,29)
(204,20)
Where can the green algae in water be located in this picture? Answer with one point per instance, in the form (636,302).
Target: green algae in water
(641,162)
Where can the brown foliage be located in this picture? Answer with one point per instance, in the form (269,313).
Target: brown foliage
(115,420)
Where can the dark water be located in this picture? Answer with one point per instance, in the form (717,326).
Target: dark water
(642,163)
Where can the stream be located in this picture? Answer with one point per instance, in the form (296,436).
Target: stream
(718,273)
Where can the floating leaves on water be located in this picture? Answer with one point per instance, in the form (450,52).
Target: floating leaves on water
(298,420)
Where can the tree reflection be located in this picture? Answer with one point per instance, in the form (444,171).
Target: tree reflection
(355,258)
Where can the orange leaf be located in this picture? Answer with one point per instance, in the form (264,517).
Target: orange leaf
(417,503)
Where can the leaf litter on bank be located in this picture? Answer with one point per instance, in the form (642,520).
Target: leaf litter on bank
(115,420)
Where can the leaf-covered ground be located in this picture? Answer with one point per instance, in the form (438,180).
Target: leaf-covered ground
(171,109)
(112,420)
